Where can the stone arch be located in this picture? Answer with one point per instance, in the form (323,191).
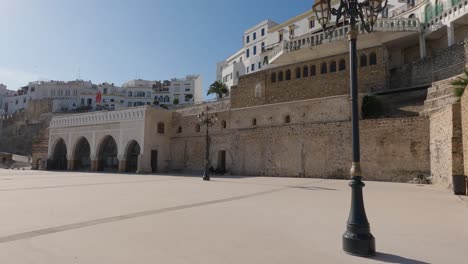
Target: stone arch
(342,65)
(363,60)
(82,155)
(107,155)
(132,153)
(59,160)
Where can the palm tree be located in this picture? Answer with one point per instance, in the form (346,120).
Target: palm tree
(218,88)
(460,84)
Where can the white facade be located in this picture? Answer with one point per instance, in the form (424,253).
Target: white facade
(255,40)
(81,95)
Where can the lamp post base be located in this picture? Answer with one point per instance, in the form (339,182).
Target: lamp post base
(361,245)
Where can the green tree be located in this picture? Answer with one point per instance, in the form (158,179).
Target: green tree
(176,101)
(218,88)
(460,84)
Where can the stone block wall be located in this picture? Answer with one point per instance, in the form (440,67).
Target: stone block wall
(40,146)
(259,89)
(446,146)
(449,62)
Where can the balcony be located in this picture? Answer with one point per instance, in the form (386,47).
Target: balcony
(454,13)
(305,47)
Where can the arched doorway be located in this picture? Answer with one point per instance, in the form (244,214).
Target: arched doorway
(107,155)
(133,151)
(59,158)
(82,155)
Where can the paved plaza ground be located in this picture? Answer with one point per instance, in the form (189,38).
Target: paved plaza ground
(67,218)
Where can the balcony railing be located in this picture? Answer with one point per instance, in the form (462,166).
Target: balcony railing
(384,25)
(455,11)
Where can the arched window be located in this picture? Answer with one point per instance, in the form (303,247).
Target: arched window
(298,73)
(305,71)
(363,60)
(323,68)
(273,77)
(373,59)
(287,119)
(224,124)
(342,65)
(428,13)
(288,75)
(313,70)
(333,66)
(254,122)
(280,76)
(160,128)
(197,128)
(179,130)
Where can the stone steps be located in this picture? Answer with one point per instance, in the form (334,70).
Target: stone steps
(433,94)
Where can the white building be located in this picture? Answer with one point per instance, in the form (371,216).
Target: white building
(82,95)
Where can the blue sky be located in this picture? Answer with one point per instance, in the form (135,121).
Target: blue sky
(119,40)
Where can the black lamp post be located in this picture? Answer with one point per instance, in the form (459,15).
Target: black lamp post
(357,240)
(205,118)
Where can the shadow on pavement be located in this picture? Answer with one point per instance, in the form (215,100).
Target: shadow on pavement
(389,258)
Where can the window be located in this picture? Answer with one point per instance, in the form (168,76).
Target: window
(259,65)
(254,122)
(247,53)
(280,76)
(287,119)
(263,46)
(373,59)
(224,124)
(342,66)
(313,71)
(90,101)
(112,100)
(288,75)
(311,23)
(179,130)
(305,71)
(252,67)
(255,50)
(130,94)
(160,128)
(197,128)
(291,31)
(104,91)
(280,36)
(363,60)
(248,39)
(323,68)
(82,101)
(24,100)
(298,73)
(263,32)
(333,66)
(254,36)
(247,69)
(273,77)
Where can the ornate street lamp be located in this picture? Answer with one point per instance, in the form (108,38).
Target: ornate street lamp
(205,118)
(357,240)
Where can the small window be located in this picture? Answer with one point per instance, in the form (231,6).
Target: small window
(247,53)
(280,76)
(333,66)
(323,68)
(160,128)
(373,59)
(253,67)
(288,75)
(179,130)
(273,77)
(248,39)
(254,122)
(342,65)
(254,36)
(313,70)
(311,23)
(298,73)
(197,128)
(305,72)
(259,65)
(255,50)
(363,60)
(287,119)
(280,36)
(263,32)
(224,124)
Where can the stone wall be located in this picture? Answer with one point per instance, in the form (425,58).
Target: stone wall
(449,62)
(392,149)
(446,145)
(259,89)
(40,146)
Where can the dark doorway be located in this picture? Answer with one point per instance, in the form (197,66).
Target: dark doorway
(222,161)
(107,155)
(59,158)
(82,155)
(133,152)
(154,161)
